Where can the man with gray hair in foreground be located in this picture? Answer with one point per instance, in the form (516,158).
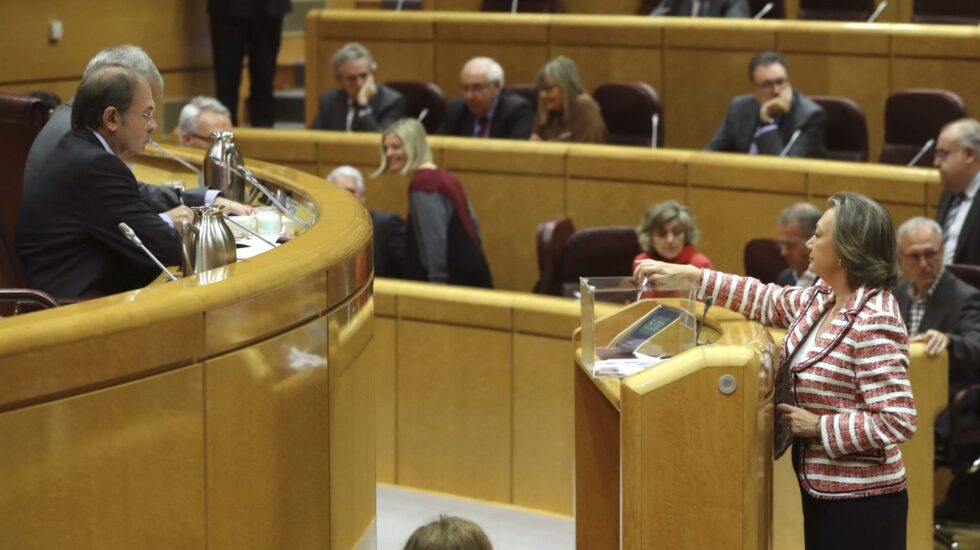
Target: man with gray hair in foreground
(201,116)
(795,225)
(389,229)
(486,109)
(360,104)
(942,312)
(160,199)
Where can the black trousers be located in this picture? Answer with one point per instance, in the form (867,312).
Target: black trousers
(231,40)
(869,523)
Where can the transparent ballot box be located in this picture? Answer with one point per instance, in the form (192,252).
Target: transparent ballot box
(656,324)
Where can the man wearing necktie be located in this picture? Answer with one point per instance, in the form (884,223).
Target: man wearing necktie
(959,172)
(486,108)
(704,8)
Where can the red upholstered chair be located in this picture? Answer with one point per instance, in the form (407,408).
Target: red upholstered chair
(529,6)
(778,10)
(550,240)
(597,252)
(913,117)
(627,108)
(959,12)
(527,91)
(836,10)
(762,260)
(846,130)
(422,96)
(21,118)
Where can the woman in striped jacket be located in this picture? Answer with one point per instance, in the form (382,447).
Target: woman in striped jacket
(844,399)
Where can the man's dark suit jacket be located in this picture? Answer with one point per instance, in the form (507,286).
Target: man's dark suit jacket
(160,198)
(250,9)
(717,8)
(387,106)
(512,119)
(968,244)
(953,308)
(736,132)
(68,238)
(389,244)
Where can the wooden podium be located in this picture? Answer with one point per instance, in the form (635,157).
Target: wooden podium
(675,457)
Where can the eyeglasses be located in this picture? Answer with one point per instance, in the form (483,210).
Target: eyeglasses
(475,88)
(771,84)
(943,154)
(927,255)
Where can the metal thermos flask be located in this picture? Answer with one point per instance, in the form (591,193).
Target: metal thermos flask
(222,156)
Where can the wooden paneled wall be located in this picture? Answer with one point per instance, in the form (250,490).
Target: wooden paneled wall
(696,65)
(514,186)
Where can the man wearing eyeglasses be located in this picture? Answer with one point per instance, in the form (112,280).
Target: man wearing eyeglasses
(942,312)
(199,118)
(486,109)
(774,119)
(67,237)
(359,104)
(959,172)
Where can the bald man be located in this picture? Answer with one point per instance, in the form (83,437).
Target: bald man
(486,109)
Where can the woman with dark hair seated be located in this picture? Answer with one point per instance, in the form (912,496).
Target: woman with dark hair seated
(667,233)
(843,396)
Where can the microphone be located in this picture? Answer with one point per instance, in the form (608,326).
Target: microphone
(792,142)
(654,125)
(925,149)
(253,233)
(245,173)
(704,315)
(186,164)
(513,6)
(131,235)
(398,7)
(765,10)
(566,135)
(423,113)
(881,7)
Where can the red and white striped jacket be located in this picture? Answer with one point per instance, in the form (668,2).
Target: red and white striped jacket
(854,377)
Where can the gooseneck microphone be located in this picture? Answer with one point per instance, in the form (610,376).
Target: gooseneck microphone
(513,6)
(877,13)
(131,235)
(791,142)
(654,126)
(183,162)
(708,300)
(245,173)
(925,149)
(765,9)
(423,113)
(249,230)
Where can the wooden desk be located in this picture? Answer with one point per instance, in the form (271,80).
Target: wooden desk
(200,413)
(696,65)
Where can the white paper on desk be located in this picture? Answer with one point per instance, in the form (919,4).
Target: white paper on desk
(253,247)
(621,368)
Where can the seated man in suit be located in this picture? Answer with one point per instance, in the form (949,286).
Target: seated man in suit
(704,8)
(766,121)
(389,229)
(360,104)
(944,313)
(796,224)
(68,236)
(486,110)
(160,199)
(201,116)
(958,161)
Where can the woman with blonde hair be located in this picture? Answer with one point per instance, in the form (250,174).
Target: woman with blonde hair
(565,111)
(443,240)
(668,233)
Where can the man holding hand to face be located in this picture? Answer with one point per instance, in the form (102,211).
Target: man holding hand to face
(360,104)
(766,121)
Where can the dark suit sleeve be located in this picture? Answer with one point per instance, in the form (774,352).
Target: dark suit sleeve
(810,122)
(159,198)
(724,138)
(320,120)
(739,8)
(964,346)
(520,121)
(115,198)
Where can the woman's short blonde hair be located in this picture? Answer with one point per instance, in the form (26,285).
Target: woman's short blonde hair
(864,238)
(563,73)
(659,214)
(449,533)
(412,134)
